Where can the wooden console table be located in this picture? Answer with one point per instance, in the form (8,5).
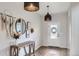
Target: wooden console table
(14,49)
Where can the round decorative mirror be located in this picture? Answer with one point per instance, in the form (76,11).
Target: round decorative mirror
(20,26)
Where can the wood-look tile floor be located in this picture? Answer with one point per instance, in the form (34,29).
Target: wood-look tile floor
(51,51)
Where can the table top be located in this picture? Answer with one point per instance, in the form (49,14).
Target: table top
(23,44)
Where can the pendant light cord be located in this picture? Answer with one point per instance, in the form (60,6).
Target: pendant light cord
(48,8)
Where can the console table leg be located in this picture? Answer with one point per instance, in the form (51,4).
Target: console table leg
(29,50)
(25,51)
(34,49)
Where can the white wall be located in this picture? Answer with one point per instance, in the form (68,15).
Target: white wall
(61,19)
(17,10)
(74,46)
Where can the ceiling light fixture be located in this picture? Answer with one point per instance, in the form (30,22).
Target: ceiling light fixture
(31,6)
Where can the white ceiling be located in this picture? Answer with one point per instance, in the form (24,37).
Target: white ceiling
(54,7)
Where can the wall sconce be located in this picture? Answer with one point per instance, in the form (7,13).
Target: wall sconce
(31,6)
(32,30)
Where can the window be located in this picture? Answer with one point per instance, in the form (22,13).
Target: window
(53,29)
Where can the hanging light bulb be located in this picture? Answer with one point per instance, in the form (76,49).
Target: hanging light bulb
(31,6)
(48,17)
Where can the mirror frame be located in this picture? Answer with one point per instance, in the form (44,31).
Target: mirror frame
(22,20)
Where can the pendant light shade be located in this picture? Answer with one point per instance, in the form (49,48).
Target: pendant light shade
(31,6)
(48,17)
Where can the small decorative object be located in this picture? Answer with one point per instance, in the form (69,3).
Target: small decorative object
(31,6)
(16,35)
(11,26)
(3,20)
(48,17)
(28,27)
(7,25)
(27,33)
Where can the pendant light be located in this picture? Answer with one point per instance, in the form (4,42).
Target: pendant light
(31,6)
(48,17)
